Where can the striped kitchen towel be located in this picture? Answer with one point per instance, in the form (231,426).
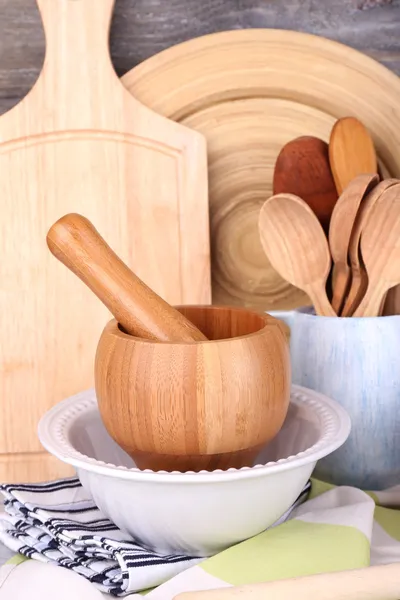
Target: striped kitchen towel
(58,522)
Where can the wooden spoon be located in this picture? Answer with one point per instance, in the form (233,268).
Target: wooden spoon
(359,278)
(296,246)
(351,152)
(139,310)
(380,249)
(340,229)
(302,168)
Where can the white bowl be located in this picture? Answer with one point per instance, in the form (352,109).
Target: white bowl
(195,513)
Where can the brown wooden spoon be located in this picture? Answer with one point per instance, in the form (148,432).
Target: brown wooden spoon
(296,246)
(359,278)
(139,310)
(340,229)
(380,249)
(351,152)
(302,168)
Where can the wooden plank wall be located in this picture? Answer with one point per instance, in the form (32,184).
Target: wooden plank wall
(143,27)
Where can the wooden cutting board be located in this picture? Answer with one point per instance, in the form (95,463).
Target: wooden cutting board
(79,142)
(204,82)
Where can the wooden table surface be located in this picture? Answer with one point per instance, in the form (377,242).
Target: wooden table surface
(142,28)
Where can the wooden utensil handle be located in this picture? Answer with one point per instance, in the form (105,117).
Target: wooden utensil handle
(370,305)
(140,311)
(317,293)
(341,277)
(371,583)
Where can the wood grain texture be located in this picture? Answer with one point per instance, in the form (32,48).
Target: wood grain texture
(254,91)
(340,230)
(243,139)
(296,245)
(359,278)
(142,28)
(197,406)
(32,467)
(380,250)
(138,309)
(80,143)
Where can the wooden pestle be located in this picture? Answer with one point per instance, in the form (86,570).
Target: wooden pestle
(75,242)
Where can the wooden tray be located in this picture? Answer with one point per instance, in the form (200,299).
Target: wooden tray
(250,91)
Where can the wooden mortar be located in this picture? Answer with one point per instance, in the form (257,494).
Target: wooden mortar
(200,405)
(192,388)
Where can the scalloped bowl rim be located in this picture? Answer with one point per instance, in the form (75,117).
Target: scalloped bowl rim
(56,423)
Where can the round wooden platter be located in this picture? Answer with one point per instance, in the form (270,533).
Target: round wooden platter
(249,92)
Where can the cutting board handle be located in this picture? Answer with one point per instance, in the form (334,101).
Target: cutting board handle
(77,62)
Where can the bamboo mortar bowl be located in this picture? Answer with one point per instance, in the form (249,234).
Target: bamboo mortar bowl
(196,405)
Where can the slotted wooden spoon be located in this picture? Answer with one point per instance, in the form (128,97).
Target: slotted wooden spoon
(296,245)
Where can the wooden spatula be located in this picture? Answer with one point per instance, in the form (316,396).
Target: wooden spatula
(302,168)
(351,152)
(80,143)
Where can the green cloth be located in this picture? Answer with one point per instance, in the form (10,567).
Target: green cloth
(338,528)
